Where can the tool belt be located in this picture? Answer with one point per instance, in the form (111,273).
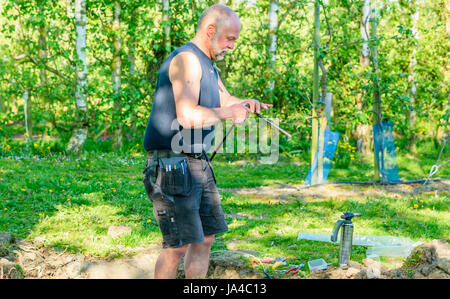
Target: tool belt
(165,153)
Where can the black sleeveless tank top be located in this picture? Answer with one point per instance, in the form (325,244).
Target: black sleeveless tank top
(163,130)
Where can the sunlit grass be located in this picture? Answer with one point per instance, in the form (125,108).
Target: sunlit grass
(71,202)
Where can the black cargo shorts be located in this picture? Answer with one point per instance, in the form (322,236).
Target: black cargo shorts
(186,203)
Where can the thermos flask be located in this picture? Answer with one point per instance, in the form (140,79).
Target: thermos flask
(345,251)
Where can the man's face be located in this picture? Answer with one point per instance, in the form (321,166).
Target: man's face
(224,39)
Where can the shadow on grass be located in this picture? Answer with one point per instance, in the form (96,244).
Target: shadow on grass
(71,203)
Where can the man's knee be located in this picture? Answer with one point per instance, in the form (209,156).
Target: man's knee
(207,242)
(177,252)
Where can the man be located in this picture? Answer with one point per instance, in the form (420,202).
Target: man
(189,100)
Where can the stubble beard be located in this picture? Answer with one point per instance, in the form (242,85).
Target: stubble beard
(219,54)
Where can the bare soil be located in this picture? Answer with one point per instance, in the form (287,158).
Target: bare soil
(28,260)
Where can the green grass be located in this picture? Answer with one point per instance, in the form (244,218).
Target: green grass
(72,201)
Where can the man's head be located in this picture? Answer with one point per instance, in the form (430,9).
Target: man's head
(218,28)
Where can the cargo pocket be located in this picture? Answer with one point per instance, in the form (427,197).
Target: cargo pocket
(149,178)
(169,229)
(176,178)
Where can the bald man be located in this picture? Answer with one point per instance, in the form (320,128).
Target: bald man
(189,100)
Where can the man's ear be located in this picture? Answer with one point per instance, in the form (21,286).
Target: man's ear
(211,30)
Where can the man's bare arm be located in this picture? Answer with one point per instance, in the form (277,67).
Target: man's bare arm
(185,74)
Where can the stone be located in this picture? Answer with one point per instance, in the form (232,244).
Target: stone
(442,255)
(373,272)
(355,265)
(9,270)
(5,239)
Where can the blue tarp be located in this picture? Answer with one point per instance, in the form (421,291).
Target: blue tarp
(385,152)
(331,139)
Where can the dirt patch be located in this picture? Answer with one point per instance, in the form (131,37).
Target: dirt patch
(33,260)
(22,259)
(286,193)
(228,265)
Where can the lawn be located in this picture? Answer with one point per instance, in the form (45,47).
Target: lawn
(71,202)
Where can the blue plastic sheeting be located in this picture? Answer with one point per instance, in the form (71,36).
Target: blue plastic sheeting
(331,139)
(385,152)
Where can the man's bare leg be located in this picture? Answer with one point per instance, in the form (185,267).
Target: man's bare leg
(197,258)
(168,261)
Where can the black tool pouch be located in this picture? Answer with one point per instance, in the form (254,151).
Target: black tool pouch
(149,177)
(175,176)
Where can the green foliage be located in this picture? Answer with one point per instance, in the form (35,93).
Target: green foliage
(37,53)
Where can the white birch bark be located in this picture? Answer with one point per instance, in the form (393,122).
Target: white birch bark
(363,131)
(116,76)
(27,114)
(80,17)
(273,24)
(80,130)
(116,67)
(365,51)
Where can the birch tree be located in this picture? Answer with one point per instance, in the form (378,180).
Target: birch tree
(362,133)
(116,77)
(80,130)
(132,25)
(27,114)
(376,94)
(364,30)
(166,25)
(273,25)
(315,120)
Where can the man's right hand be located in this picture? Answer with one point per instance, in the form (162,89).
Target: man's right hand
(239,113)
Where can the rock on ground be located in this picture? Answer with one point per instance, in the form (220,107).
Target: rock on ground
(427,261)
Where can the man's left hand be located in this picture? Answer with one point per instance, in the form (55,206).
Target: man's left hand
(256,106)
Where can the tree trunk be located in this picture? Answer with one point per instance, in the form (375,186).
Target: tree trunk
(363,132)
(273,25)
(116,77)
(80,130)
(27,114)
(376,87)
(166,26)
(131,77)
(364,30)
(42,49)
(412,90)
(43,71)
(315,119)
